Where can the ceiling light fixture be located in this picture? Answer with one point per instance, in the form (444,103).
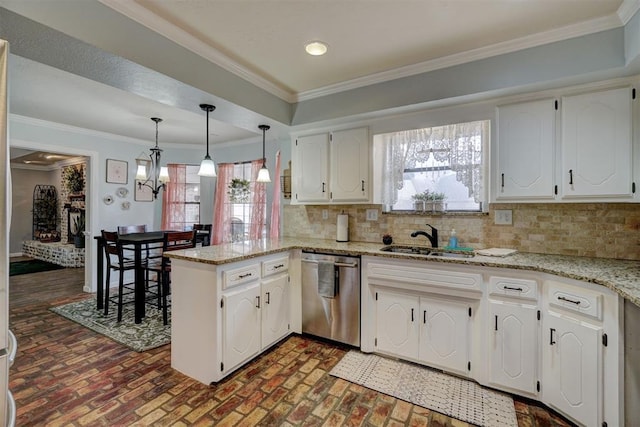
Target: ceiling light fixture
(207,167)
(263,174)
(150,169)
(316,48)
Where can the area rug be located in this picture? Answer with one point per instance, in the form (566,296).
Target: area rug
(151,333)
(449,395)
(31,266)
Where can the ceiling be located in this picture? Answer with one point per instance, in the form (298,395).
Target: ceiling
(262,41)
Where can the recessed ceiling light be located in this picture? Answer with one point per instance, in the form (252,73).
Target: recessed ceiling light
(316,48)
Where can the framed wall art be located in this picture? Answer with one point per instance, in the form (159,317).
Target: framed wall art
(142,193)
(117,171)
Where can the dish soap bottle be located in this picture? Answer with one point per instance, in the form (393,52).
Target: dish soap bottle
(453,239)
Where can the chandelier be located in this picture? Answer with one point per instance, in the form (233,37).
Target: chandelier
(149,173)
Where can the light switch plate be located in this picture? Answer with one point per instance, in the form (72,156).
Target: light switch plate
(504,217)
(372,214)
(325,214)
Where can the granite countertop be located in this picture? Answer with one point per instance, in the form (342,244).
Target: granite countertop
(620,276)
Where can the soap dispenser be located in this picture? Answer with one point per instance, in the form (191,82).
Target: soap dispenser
(453,239)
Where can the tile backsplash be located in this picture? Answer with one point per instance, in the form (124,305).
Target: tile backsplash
(602,230)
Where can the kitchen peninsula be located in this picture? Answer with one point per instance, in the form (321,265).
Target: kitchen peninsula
(232,302)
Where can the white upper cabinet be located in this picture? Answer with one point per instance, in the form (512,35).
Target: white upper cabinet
(597,145)
(332,167)
(311,168)
(350,165)
(525,159)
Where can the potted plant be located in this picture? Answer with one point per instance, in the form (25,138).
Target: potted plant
(79,226)
(428,201)
(238,190)
(73,178)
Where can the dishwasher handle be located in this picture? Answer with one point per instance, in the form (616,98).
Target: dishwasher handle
(337,264)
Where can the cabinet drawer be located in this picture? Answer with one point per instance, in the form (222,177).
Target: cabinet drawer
(238,276)
(514,288)
(583,301)
(275,266)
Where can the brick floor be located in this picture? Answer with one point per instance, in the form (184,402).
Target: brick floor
(67,375)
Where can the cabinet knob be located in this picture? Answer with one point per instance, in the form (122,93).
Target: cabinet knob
(257,302)
(268,298)
(570,176)
(551,331)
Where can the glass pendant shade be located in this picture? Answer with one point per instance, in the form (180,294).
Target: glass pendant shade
(207,166)
(141,171)
(263,174)
(164,175)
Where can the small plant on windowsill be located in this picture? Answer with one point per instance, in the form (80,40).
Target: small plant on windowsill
(429,202)
(238,190)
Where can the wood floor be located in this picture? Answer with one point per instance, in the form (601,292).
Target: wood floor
(68,375)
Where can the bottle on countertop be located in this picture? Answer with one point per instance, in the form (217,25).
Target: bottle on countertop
(453,239)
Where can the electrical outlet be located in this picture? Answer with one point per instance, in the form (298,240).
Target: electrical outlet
(372,214)
(504,217)
(325,214)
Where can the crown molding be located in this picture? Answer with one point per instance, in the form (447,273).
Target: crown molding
(577,30)
(174,33)
(627,9)
(155,23)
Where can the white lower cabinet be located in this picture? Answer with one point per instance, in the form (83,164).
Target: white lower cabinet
(572,368)
(397,328)
(556,340)
(275,309)
(241,320)
(444,334)
(225,315)
(513,346)
(431,330)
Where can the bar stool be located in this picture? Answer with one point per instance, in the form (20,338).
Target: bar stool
(116,261)
(203,233)
(173,241)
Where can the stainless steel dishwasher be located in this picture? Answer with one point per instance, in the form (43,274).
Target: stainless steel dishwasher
(331,297)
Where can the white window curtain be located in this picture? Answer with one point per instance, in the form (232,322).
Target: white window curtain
(459,144)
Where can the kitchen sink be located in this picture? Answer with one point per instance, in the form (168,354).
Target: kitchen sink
(415,250)
(452,254)
(430,252)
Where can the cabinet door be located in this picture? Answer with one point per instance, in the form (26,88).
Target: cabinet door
(572,368)
(350,165)
(596,144)
(526,135)
(514,349)
(311,168)
(275,309)
(397,324)
(444,334)
(241,328)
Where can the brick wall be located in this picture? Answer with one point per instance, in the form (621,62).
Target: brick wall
(602,230)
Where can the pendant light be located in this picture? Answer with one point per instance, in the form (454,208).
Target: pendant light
(263,174)
(207,167)
(158,175)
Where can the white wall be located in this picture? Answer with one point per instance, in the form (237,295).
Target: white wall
(23,183)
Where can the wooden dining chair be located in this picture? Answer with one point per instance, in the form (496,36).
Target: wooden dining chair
(130,229)
(173,241)
(116,261)
(203,233)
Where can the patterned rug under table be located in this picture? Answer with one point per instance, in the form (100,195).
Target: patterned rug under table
(148,334)
(449,395)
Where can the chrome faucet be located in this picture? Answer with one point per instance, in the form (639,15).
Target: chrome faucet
(433,237)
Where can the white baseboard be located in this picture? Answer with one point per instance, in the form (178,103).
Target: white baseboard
(15,254)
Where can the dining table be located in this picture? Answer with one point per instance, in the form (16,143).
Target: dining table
(135,242)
